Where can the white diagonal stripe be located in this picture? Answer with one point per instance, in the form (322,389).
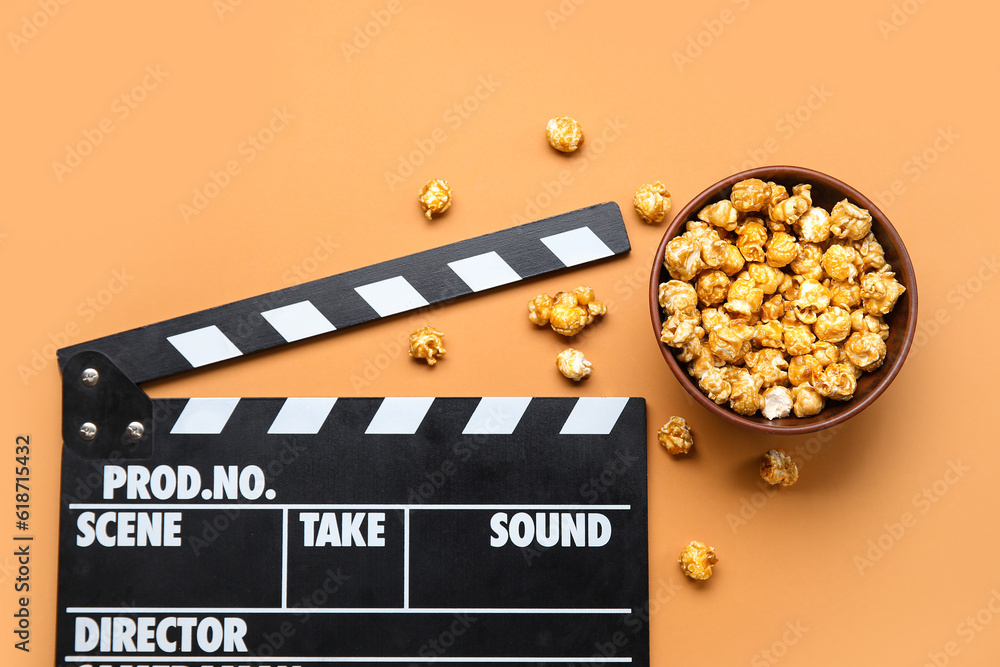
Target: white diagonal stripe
(205,416)
(399,416)
(297,321)
(496,416)
(204,346)
(302,416)
(577,246)
(594,416)
(391,296)
(482,272)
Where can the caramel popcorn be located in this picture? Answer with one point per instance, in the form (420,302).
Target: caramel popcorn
(676,436)
(837,381)
(776,303)
(678,296)
(721,214)
(652,202)
(573,364)
(427,343)
(696,560)
(567,312)
(564,134)
(777,467)
(778,403)
(750,195)
(879,291)
(435,197)
(848,221)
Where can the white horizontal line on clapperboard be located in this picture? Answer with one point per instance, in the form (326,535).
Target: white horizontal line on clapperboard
(131,659)
(343,610)
(339,506)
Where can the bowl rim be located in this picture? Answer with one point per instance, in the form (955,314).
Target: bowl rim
(805,175)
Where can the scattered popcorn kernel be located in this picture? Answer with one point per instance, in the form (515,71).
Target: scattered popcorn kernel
(837,381)
(714,385)
(808,401)
(777,403)
(833,325)
(841,262)
(848,221)
(813,226)
(803,368)
(427,343)
(435,197)
(865,350)
(770,334)
(540,309)
(744,394)
(721,214)
(682,258)
(825,353)
(768,365)
(790,210)
(676,436)
(767,277)
(750,195)
(777,467)
(871,252)
(813,299)
(879,291)
(798,339)
(773,308)
(744,297)
(677,296)
(844,294)
(652,202)
(733,262)
(573,364)
(567,312)
(781,249)
(752,237)
(712,288)
(696,560)
(564,134)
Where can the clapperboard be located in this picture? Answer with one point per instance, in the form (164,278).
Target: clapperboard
(321,531)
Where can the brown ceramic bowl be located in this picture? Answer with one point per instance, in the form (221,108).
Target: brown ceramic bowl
(902,321)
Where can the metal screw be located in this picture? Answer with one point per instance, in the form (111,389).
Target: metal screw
(90,377)
(88,431)
(135,430)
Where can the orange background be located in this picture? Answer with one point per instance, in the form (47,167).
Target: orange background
(896,99)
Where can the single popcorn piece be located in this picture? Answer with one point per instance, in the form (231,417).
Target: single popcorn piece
(752,237)
(848,221)
(682,258)
(573,364)
(681,328)
(721,214)
(825,353)
(862,321)
(714,385)
(777,468)
(744,297)
(790,210)
(713,318)
(712,288)
(703,361)
(750,195)
(773,308)
(865,350)
(730,342)
(696,560)
(744,393)
(676,436)
(813,299)
(435,197)
(799,339)
(844,294)
(677,296)
(768,365)
(427,343)
(833,325)
(804,368)
(777,403)
(782,249)
(808,401)
(879,291)
(803,190)
(813,226)
(837,381)
(652,202)
(567,312)
(769,334)
(871,252)
(767,277)
(841,262)
(733,262)
(809,262)
(564,134)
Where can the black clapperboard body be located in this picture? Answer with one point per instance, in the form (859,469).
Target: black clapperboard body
(330,531)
